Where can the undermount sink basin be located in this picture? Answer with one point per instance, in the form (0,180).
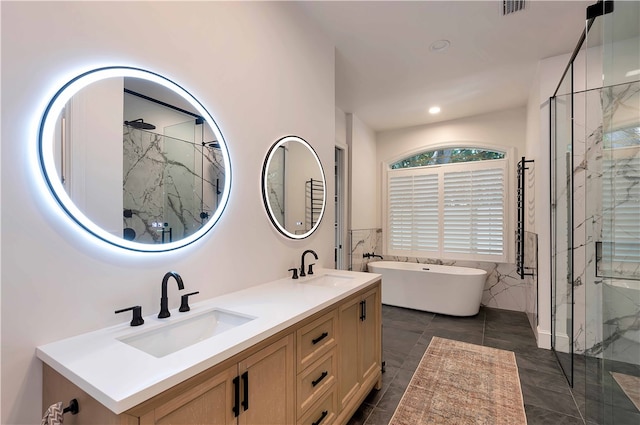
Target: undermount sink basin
(328,279)
(173,337)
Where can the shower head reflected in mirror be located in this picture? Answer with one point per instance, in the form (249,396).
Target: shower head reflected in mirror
(140,124)
(213,144)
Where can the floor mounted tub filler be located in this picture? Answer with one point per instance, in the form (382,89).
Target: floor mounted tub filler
(451,290)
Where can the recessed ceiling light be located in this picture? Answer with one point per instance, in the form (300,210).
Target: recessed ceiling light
(434,110)
(440,46)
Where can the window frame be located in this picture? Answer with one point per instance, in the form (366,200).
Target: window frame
(509,198)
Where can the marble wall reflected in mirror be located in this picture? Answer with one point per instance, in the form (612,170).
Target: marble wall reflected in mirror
(294,187)
(134,159)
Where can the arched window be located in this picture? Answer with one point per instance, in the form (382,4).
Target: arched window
(448,203)
(447,156)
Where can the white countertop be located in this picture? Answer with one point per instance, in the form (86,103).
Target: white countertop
(120,376)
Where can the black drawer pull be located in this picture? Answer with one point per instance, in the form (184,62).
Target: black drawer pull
(324,415)
(236,396)
(245,384)
(320,338)
(317,381)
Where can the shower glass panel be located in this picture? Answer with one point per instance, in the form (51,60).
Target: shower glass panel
(171,185)
(561,225)
(595,148)
(181,206)
(614,201)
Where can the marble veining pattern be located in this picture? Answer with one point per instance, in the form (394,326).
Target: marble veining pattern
(168,184)
(606,310)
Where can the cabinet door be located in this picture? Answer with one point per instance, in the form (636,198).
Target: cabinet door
(207,403)
(267,382)
(348,351)
(370,355)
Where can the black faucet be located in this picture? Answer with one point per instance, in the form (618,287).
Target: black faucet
(302,273)
(164,301)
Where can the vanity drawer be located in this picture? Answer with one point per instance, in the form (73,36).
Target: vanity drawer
(316,380)
(324,412)
(315,339)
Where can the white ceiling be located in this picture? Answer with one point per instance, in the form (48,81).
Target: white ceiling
(387,76)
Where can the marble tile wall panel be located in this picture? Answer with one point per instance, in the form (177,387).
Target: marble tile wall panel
(531,279)
(364,241)
(168,182)
(606,313)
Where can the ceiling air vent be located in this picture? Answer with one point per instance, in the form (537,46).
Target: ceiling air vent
(511,6)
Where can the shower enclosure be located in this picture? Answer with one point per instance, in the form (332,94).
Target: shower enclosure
(595,215)
(172,181)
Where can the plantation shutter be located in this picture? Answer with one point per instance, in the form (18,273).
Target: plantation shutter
(473,218)
(454,211)
(413,212)
(621,215)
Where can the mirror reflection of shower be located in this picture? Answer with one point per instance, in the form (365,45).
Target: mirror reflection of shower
(140,124)
(172,178)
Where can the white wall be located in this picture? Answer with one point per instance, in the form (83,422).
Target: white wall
(364,192)
(504,128)
(261,69)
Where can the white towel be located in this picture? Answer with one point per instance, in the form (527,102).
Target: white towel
(54,415)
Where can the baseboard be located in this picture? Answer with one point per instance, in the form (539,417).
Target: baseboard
(563,343)
(544,338)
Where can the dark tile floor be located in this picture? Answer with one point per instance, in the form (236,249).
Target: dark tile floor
(548,398)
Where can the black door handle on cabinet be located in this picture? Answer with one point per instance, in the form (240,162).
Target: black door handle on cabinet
(245,384)
(236,396)
(362,310)
(324,414)
(320,338)
(317,381)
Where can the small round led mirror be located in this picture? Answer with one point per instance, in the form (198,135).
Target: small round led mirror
(294,187)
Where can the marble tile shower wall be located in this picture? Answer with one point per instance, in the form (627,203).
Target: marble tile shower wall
(504,288)
(176,185)
(530,280)
(606,315)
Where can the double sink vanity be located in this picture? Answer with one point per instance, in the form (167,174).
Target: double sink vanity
(303,351)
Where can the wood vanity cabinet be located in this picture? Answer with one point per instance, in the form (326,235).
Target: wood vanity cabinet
(253,388)
(257,390)
(359,349)
(316,372)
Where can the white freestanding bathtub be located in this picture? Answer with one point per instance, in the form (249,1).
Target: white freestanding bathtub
(452,290)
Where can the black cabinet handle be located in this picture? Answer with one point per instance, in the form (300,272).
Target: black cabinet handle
(362,310)
(236,396)
(320,338)
(322,376)
(245,384)
(324,415)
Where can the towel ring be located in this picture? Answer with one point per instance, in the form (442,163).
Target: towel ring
(73,407)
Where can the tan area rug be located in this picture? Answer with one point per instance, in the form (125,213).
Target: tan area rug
(459,383)
(630,385)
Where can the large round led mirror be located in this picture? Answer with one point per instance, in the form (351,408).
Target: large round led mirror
(294,187)
(134,159)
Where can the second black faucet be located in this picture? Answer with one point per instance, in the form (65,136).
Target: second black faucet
(164,300)
(310,271)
